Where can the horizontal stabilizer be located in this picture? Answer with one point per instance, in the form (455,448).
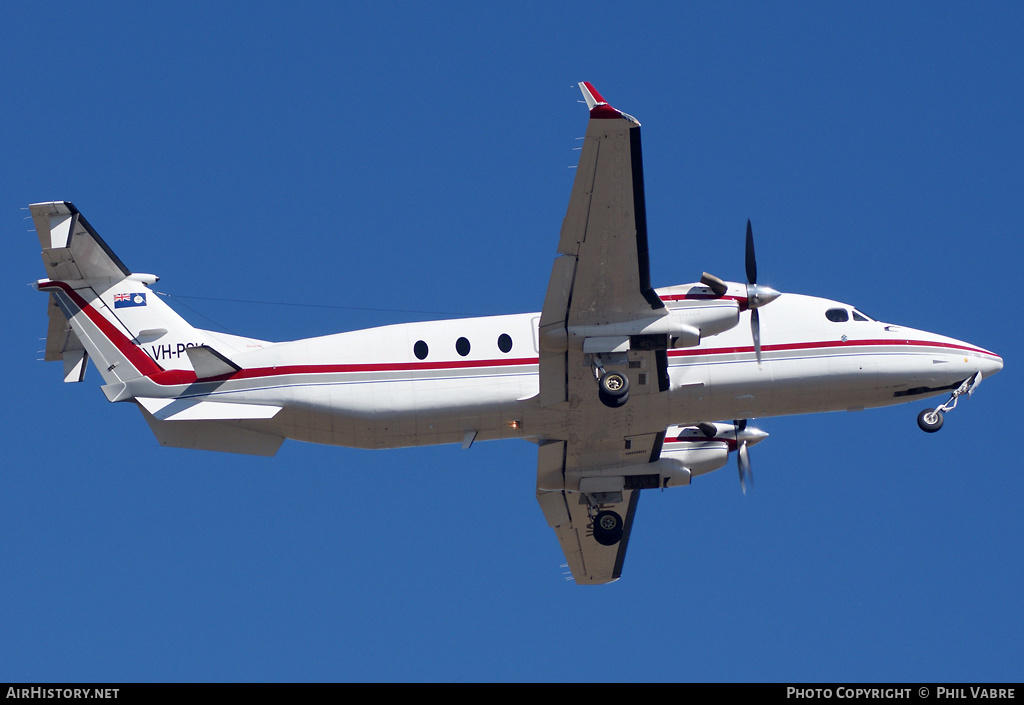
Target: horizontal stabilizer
(63,344)
(207,362)
(71,247)
(199,409)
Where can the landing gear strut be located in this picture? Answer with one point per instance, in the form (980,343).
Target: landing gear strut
(930,420)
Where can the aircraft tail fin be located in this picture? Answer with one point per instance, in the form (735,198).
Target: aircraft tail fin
(99,309)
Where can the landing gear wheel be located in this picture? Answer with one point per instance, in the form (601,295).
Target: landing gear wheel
(607,528)
(930,420)
(613,389)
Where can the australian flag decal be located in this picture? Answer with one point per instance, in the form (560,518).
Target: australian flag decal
(129,300)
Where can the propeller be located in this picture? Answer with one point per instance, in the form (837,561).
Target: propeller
(757,296)
(751,258)
(743,461)
(745,437)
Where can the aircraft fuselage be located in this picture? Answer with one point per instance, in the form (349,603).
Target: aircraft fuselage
(371,389)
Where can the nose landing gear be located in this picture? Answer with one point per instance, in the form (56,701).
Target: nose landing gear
(930,420)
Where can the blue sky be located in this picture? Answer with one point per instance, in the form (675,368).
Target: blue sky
(389,159)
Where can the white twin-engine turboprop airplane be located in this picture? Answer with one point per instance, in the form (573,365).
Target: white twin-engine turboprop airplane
(617,383)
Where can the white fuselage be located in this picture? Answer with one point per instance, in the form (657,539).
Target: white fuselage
(455,380)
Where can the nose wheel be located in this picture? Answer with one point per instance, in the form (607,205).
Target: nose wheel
(930,420)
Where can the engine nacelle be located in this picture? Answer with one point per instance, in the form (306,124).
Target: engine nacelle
(687,451)
(706,447)
(680,327)
(665,472)
(701,317)
(674,468)
(707,317)
(698,456)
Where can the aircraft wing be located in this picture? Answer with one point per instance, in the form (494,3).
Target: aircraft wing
(598,296)
(601,279)
(579,483)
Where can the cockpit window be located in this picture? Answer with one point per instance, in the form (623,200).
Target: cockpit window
(837,315)
(858,316)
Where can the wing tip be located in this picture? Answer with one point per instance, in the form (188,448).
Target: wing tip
(590,94)
(599,107)
(596,104)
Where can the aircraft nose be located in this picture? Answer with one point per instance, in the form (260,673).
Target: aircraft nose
(985,361)
(990,364)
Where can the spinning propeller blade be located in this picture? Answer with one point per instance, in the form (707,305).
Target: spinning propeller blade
(743,461)
(755,333)
(757,296)
(746,436)
(751,259)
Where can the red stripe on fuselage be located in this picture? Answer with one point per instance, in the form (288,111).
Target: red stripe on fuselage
(145,365)
(186,377)
(172,377)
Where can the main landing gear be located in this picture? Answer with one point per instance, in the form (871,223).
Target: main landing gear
(607,528)
(612,387)
(930,420)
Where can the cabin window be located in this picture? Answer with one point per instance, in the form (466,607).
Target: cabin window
(837,315)
(462,347)
(420,350)
(504,342)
